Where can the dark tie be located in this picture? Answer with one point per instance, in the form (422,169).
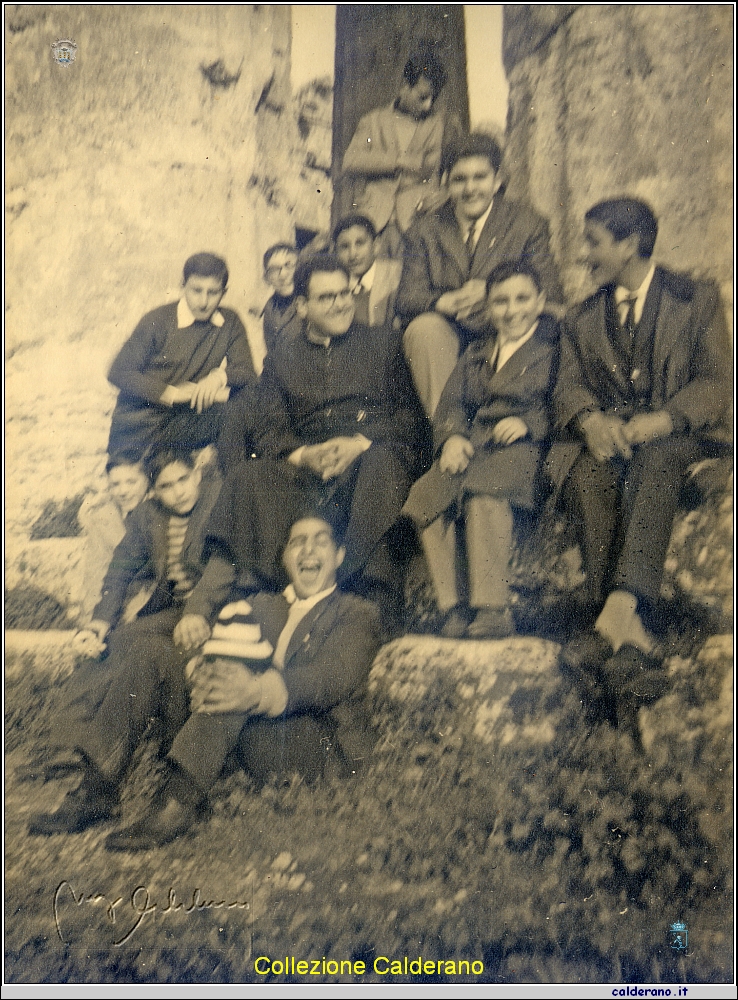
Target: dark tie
(470,242)
(361,304)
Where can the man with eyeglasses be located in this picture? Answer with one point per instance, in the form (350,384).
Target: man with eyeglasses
(341,429)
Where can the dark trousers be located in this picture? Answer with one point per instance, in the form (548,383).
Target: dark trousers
(146,680)
(625,511)
(301,743)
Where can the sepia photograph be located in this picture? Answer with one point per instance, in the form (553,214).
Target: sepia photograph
(403,654)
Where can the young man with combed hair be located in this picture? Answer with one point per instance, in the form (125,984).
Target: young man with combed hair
(644,385)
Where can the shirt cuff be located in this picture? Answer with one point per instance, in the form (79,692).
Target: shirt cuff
(273,694)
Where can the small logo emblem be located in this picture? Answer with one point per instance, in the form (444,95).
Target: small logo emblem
(64,51)
(678,936)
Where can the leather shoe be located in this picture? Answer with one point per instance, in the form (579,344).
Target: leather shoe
(635,676)
(87,805)
(492,623)
(456,624)
(590,649)
(159,827)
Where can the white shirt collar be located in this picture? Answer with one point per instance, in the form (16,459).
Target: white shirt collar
(477,226)
(367,280)
(185,317)
(506,351)
(305,602)
(623,294)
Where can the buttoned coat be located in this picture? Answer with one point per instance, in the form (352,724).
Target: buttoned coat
(437,260)
(474,401)
(691,365)
(310,393)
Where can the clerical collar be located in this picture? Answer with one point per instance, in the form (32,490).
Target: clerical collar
(317,338)
(185,317)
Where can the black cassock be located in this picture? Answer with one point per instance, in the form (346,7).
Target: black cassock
(309,393)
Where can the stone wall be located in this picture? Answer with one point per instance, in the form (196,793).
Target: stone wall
(173,131)
(616,99)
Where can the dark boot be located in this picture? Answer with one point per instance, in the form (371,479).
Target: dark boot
(93,801)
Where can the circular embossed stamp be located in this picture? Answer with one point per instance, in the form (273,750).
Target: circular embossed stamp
(64,51)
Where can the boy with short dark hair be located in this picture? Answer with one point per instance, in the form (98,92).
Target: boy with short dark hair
(280,261)
(180,367)
(644,386)
(144,671)
(449,255)
(372,279)
(488,432)
(394,156)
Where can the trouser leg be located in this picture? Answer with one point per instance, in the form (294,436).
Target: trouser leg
(432,350)
(299,743)
(650,498)
(203,744)
(148,680)
(489,538)
(592,494)
(439,547)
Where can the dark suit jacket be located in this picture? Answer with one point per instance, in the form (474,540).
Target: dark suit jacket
(330,653)
(142,554)
(280,319)
(437,261)
(326,669)
(691,365)
(474,400)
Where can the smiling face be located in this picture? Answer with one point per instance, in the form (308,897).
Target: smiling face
(514,306)
(312,557)
(416,101)
(177,487)
(472,183)
(329,306)
(607,257)
(203,294)
(356,250)
(280,272)
(128,486)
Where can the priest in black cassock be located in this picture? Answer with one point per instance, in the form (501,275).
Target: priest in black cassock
(340,429)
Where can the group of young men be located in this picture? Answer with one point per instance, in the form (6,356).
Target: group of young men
(273,580)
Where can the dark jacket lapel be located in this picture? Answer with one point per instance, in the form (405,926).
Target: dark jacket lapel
(449,236)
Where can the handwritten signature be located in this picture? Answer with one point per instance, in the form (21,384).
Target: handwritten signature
(140,904)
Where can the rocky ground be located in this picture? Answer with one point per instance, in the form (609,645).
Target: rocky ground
(496,823)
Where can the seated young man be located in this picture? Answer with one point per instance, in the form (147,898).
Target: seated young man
(280,316)
(180,367)
(489,430)
(644,380)
(340,427)
(282,681)
(143,674)
(449,255)
(373,280)
(394,157)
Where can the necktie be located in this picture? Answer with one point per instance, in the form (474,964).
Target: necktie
(628,322)
(361,304)
(470,241)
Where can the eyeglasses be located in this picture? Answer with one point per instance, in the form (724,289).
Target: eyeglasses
(328,299)
(274,270)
